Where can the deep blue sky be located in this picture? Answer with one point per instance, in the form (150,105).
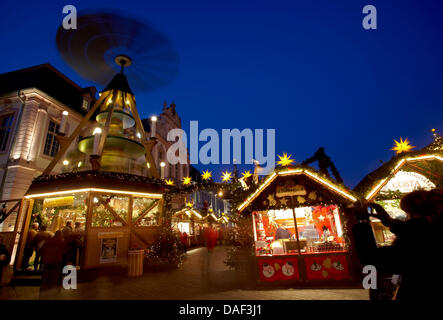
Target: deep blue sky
(306,68)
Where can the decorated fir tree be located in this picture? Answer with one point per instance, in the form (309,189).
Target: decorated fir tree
(167,249)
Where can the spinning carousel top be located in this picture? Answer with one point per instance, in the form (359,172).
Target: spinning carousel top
(105,42)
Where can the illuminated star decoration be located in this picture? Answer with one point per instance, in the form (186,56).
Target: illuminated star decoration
(402,146)
(285,160)
(169,182)
(246,174)
(226,177)
(206,175)
(189,204)
(186,180)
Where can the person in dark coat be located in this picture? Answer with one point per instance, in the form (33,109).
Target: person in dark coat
(40,239)
(68,237)
(5,257)
(30,245)
(53,253)
(414,253)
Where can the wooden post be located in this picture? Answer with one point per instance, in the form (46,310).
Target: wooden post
(65,143)
(24,234)
(87,230)
(105,131)
(147,144)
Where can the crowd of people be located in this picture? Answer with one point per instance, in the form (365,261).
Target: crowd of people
(40,243)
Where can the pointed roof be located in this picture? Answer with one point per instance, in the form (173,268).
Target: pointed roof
(373,182)
(119,82)
(309,173)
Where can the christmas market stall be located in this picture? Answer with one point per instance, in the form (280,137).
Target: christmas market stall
(407,171)
(114,219)
(299,226)
(188,220)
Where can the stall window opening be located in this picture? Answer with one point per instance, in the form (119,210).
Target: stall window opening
(314,230)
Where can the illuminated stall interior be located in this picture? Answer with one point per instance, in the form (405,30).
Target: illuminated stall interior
(187,220)
(406,172)
(193,222)
(299,226)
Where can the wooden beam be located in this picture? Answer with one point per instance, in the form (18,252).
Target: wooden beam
(67,142)
(156,202)
(108,207)
(148,145)
(105,131)
(10,211)
(139,237)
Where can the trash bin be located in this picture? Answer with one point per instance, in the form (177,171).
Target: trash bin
(135,262)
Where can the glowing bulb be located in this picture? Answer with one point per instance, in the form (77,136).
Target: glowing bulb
(138,135)
(65,113)
(65,162)
(154,118)
(97,131)
(162,164)
(79,164)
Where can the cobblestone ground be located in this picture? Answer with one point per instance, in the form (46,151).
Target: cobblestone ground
(185,283)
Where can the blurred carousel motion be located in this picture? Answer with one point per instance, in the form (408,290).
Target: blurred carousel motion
(100,37)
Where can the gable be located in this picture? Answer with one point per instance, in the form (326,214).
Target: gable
(296,188)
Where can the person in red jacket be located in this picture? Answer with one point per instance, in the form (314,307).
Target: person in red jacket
(210,235)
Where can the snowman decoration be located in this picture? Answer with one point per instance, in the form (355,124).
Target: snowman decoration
(268,270)
(338,266)
(288,269)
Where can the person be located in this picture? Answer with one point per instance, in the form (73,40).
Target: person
(30,245)
(67,234)
(210,236)
(5,258)
(412,254)
(53,253)
(283,232)
(78,236)
(184,240)
(40,239)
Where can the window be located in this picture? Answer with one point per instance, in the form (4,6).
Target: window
(85,104)
(5,129)
(51,143)
(109,211)
(145,212)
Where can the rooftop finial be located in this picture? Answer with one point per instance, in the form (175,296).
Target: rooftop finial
(123,61)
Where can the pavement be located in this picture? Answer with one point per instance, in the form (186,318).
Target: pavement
(184,283)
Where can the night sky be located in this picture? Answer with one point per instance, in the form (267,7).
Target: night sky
(306,68)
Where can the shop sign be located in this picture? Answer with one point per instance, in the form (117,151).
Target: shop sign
(58,202)
(406,181)
(108,251)
(104,235)
(289,190)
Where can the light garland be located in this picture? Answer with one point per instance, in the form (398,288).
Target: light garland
(397,168)
(48,194)
(293,172)
(206,175)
